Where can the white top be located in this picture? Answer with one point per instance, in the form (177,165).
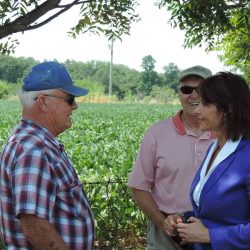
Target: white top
(226,150)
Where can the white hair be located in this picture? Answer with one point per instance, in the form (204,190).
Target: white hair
(27,98)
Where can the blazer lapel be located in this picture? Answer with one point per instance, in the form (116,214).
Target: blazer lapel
(218,172)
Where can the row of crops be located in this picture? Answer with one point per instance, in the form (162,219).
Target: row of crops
(102,144)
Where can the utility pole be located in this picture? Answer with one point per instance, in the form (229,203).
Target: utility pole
(110,67)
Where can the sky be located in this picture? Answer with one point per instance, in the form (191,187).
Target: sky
(152,35)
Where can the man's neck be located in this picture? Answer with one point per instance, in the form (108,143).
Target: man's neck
(191,123)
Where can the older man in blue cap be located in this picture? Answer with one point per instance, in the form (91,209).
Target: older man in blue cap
(43,205)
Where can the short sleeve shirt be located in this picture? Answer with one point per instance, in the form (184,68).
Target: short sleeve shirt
(167,161)
(38,178)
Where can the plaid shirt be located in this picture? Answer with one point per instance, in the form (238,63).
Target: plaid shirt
(38,178)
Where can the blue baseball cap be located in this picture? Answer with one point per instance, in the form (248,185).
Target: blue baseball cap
(51,75)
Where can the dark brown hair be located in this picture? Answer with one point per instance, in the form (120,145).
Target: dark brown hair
(231,95)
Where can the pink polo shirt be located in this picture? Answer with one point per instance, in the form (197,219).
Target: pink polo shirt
(167,161)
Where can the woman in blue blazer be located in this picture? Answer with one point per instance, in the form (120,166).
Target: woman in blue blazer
(220,192)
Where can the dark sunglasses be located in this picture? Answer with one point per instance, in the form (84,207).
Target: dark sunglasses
(69,99)
(187,90)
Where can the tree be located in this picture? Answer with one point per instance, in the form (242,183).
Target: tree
(218,24)
(148,63)
(80,70)
(13,69)
(125,80)
(111,17)
(149,76)
(163,94)
(171,76)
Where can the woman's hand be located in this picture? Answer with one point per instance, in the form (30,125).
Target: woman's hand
(193,231)
(170,224)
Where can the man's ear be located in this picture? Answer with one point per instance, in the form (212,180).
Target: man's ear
(42,101)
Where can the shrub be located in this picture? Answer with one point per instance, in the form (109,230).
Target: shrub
(4,90)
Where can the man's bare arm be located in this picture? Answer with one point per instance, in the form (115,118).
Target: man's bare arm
(147,204)
(41,234)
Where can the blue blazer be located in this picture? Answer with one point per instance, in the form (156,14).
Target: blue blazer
(225,202)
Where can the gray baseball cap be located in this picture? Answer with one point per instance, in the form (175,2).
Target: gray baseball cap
(197,71)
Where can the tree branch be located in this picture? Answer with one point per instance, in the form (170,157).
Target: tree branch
(24,22)
(77,2)
(65,8)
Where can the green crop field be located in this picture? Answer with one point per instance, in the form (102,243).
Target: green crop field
(102,145)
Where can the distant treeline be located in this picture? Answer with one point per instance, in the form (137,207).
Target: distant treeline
(95,74)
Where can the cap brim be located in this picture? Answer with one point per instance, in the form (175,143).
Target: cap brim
(187,75)
(75,91)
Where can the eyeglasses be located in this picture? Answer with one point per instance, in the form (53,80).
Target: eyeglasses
(187,90)
(69,99)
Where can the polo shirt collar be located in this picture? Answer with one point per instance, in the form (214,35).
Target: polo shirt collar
(179,126)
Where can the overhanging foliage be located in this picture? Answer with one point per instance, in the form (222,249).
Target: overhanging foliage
(110,17)
(218,24)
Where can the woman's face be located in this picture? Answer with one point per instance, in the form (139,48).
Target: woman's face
(210,118)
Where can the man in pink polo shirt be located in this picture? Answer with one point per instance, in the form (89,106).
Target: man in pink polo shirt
(170,153)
